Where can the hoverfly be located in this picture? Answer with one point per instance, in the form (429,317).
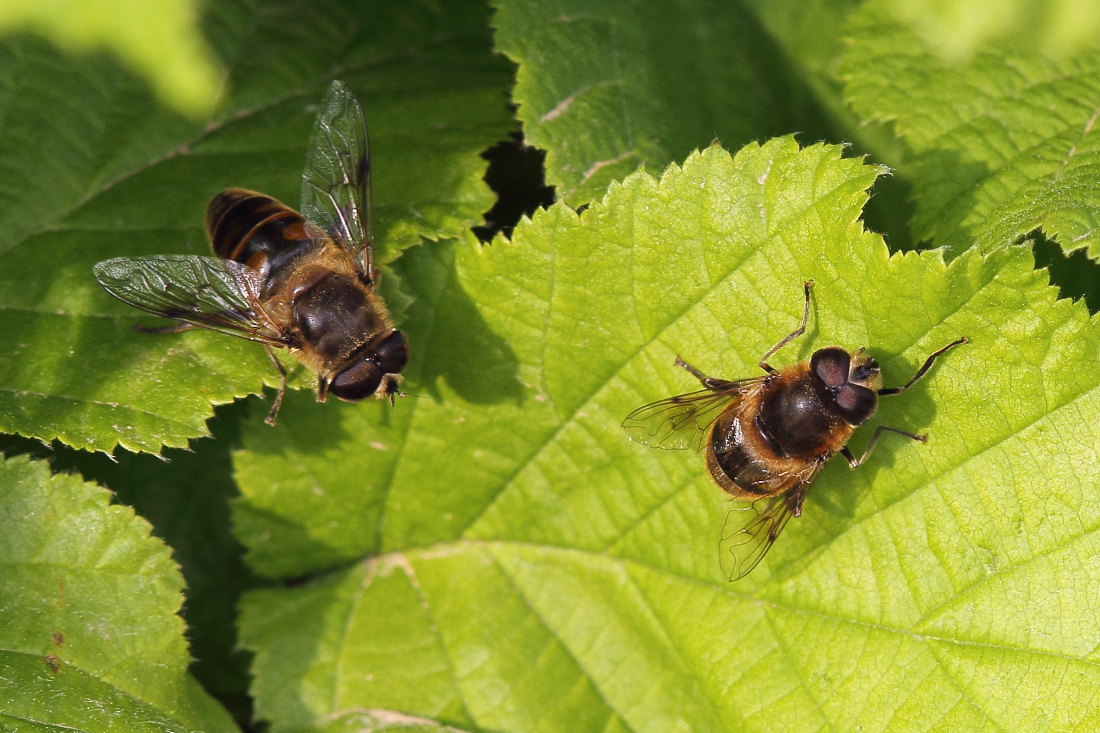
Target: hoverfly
(766,438)
(305,282)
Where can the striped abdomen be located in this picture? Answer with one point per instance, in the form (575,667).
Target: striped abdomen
(258,231)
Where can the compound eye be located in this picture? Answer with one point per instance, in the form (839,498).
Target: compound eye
(357,382)
(393,353)
(831,365)
(856,404)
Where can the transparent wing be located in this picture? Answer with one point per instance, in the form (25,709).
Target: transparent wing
(336,192)
(751,529)
(682,421)
(203,291)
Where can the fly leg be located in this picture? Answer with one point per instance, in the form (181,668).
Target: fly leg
(270,419)
(719,385)
(174,328)
(853,461)
(714,384)
(792,335)
(927,365)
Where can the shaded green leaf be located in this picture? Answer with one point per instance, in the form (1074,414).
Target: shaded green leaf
(185,496)
(160,40)
(97,170)
(603,88)
(88,604)
(1001,145)
(535,570)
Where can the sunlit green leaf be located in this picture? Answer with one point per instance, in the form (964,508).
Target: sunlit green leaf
(88,603)
(531,569)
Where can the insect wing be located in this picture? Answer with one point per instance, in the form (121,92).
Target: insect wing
(751,530)
(682,421)
(336,190)
(203,291)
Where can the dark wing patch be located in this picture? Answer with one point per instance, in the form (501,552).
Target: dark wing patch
(682,421)
(204,291)
(751,529)
(336,191)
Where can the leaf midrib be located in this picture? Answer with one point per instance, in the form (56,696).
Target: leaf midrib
(593,557)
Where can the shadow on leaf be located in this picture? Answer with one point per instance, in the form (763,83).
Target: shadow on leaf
(450,339)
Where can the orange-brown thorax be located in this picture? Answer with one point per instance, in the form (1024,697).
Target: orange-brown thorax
(791,422)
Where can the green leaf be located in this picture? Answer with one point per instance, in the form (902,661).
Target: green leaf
(96,169)
(88,604)
(185,496)
(603,87)
(956,30)
(531,569)
(1001,145)
(160,40)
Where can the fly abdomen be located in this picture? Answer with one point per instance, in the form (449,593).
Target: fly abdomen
(739,457)
(743,470)
(256,230)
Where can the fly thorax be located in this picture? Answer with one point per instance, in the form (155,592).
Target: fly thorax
(333,315)
(796,418)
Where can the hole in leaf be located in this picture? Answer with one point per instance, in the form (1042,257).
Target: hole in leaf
(1075,275)
(516,174)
